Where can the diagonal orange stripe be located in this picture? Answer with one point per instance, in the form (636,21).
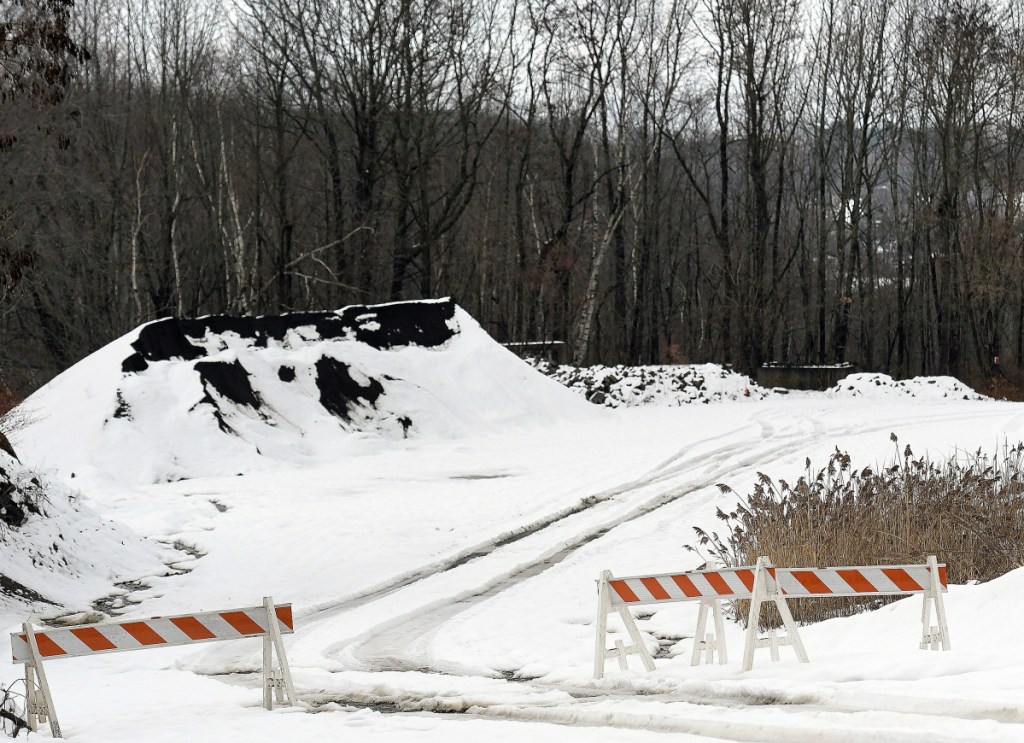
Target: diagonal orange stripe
(902,579)
(284,614)
(192,627)
(47,647)
(656,589)
(810,581)
(686,585)
(747,576)
(625,592)
(718,583)
(942,575)
(242,623)
(856,580)
(93,638)
(143,633)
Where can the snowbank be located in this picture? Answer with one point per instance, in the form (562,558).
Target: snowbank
(629,386)
(56,551)
(883,386)
(177,399)
(673,385)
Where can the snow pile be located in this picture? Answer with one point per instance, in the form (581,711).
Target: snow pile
(628,386)
(884,386)
(219,395)
(54,551)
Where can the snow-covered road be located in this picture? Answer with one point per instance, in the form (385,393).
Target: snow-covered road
(457,576)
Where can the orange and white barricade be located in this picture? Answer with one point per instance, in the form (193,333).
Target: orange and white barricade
(760,583)
(268,621)
(709,587)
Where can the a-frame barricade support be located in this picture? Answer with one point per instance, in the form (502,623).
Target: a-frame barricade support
(934,636)
(767,589)
(277,680)
(621,650)
(706,643)
(38,700)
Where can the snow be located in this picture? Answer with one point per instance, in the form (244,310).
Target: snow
(444,583)
(925,388)
(679,384)
(57,550)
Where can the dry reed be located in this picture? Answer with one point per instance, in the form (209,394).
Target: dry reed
(969,511)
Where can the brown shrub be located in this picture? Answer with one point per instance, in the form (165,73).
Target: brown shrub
(7,401)
(969,511)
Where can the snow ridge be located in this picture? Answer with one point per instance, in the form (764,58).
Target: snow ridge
(668,385)
(883,386)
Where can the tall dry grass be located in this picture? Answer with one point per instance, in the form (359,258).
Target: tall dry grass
(968,510)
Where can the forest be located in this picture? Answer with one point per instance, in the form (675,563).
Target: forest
(643,181)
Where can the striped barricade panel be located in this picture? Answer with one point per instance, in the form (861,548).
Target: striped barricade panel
(731,583)
(857,581)
(185,629)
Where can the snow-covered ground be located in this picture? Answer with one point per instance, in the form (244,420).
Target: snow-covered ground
(444,581)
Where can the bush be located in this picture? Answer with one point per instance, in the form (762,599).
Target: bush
(969,511)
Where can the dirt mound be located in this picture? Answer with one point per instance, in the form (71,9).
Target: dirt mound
(218,395)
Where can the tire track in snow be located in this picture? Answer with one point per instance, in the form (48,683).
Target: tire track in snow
(385,647)
(660,472)
(737,715)
(666,470)
(395,644)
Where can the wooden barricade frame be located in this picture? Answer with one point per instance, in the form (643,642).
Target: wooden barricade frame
(90,639)
(760,583)
(708,586)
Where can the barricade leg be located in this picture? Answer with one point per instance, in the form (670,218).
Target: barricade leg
(31,705)
(723,655)
(709,643)
(280,680)
(638,645)
(603,607)
(601,653)
(39,701)
(766,589)
(699,642)
(268,672)
(934,636)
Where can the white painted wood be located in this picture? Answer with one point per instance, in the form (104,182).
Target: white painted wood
(268,672)
(620,651)
(766,589)
(792,634)
(934,636)
(757,596)
(44,708)
(773,644)
(634,635)
(213,621)
(706,642)
(723,655)
(768,585)
(699,641)
(603,607)
(31,702)
(274,629)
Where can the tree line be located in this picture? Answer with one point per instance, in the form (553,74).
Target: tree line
(648,181)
